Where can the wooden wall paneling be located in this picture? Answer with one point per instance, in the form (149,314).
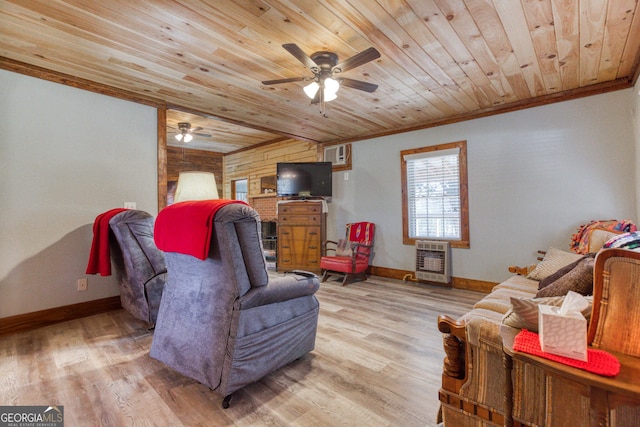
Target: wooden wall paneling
(629,66)
(255,163)
(492,85)
(498,42)
(513,21)
(162,158)
(185,159)
(617,27)
(566,22)
(592,17)
(539,16)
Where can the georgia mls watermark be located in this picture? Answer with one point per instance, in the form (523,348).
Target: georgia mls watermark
(31,416)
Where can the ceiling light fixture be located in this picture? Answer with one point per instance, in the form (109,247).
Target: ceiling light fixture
(322,89)
(324,65)
(330,85)
(185,132)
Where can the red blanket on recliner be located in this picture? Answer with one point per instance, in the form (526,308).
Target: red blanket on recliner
(100,255)
(186,227)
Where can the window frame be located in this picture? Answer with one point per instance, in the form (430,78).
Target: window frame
(464,241)
(234,193)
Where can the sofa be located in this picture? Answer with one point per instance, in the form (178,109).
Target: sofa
(483,386)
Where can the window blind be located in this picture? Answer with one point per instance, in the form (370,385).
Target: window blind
(433,190)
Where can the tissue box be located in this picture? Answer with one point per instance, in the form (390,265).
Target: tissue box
(563,335)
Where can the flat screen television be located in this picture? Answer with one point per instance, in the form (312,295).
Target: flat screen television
(304,179)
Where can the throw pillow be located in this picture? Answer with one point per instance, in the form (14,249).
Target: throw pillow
(579,280)
(524,311)
(344,248)
(599,236)
(558,274)
(629,241)
(553,260)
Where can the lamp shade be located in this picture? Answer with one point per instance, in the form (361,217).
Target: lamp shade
(196,186)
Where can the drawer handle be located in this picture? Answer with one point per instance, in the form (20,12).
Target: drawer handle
(313,233)
(286,260)
(285,232)
(313,247)
(313,261)
(285,247)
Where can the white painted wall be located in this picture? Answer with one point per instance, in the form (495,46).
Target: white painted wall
(66,155)
(534,176)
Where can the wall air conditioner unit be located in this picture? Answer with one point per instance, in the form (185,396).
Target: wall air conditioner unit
(336,154)
(433,261)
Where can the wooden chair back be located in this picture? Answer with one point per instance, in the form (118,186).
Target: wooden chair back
(615,317)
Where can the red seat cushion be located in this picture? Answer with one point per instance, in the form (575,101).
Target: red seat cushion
(343,264)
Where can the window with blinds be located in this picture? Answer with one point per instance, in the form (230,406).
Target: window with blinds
(434,205)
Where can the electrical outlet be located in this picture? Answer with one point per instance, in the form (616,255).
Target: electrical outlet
(83,284)
(129,205)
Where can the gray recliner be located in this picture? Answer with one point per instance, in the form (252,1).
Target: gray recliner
(223,321)
(140,265)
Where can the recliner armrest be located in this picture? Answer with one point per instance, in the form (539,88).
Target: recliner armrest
(280,289)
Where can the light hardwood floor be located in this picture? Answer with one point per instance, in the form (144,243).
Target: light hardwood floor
(377,362)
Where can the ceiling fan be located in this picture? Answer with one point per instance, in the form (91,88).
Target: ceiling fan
(325,66)
(185,132)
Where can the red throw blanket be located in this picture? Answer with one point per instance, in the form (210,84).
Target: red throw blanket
(598,361)
(186,227)
(100,256)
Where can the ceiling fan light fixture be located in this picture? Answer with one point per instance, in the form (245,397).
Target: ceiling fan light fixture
(185,132)
(311,89)
(329,96)
(331,86)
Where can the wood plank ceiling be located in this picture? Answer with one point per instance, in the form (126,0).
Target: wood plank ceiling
(441,60)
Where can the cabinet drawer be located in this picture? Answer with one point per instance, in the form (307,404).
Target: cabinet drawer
(288,246)
(299,232)
(299,219)
(300,208)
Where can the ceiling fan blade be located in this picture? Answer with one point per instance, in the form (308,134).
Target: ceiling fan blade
(357,84)
(289,80)
(203,135)
(294,50)
(357,60)
(195,129)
